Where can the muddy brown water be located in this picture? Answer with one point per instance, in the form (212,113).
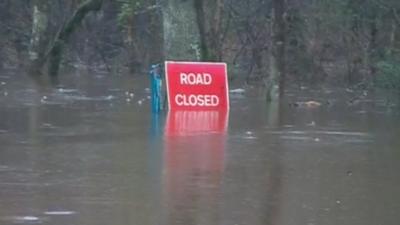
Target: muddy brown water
(90,152)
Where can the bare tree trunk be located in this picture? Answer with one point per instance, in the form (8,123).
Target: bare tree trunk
(181,31)
(354,60)
(216,42)
(209,15)
(392,37)
(38,42)
(276,81)
(201,23)
(372,52)
(131,41)
(215,32)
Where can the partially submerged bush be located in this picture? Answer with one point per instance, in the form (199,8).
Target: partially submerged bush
(389,73)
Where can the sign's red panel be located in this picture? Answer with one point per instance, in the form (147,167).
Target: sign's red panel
(197,85)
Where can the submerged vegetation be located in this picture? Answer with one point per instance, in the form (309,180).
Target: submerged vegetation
(389,73)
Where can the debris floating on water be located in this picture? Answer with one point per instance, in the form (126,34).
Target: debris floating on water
(109,97)
(249,135)
(349,173)
(312,124)
(308,104)
(303,88)
(43,99)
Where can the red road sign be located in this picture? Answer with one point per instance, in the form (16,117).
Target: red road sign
(197,85)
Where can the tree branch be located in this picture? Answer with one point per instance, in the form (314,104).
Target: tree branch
(55,51)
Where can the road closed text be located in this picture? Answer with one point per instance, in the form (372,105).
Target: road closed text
(192,99)
(195,78)
(196,100)
(197,85)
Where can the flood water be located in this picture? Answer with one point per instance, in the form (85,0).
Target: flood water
(90,152)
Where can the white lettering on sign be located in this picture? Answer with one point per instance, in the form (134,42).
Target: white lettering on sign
(196,100)
(195,79)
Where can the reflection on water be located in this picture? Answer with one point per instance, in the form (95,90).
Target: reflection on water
(193,166)
(75,155)
(188,123)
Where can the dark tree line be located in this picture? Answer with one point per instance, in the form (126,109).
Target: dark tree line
(268,42)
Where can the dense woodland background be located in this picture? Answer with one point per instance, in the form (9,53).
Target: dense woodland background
(339,42)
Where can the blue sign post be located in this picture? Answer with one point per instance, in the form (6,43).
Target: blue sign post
(156,88)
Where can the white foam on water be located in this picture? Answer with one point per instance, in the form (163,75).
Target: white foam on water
(237,91)
(65,90)
(298,138)
(30,218)
(59,213)
(338,133)
(25,219)
(343,133)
